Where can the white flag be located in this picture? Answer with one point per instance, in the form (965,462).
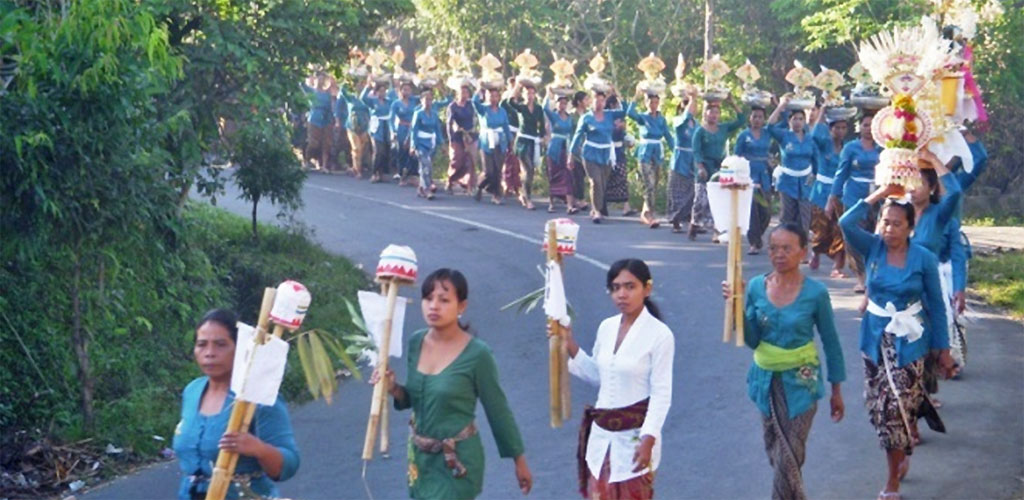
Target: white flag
(258,380)
(374,307)
(555,305)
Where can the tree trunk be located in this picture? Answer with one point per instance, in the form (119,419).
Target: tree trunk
(255,234)
(709,33)
(80,341)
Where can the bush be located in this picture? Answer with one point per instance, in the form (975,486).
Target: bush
(142,353)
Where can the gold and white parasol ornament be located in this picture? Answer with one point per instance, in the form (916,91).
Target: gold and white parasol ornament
(681,88)
(653,83)
(564,70)
(715,70)
(801,79)
(753,96)
(490,77)
(594,81)
(528,74)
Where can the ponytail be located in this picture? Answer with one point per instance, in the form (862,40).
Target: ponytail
(652,308)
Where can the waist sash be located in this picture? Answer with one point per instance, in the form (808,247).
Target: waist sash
(446,446)
(778,359)
(610,419)
(902,323)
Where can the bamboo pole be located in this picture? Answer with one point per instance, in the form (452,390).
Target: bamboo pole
(242,412)
(554,344)
(739,293)
(379,396)
(730,268)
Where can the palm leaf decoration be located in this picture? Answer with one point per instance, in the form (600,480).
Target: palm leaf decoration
(527,303)
(319,351)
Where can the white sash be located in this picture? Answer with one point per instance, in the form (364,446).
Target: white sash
(610,147)
(901,323)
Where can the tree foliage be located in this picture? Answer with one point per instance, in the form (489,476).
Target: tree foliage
(267,167)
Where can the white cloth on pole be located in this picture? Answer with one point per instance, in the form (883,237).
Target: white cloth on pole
(555,303)
(721,206)
(258,381)
(374,307)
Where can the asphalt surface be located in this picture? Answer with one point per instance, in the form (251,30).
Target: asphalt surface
(713,446)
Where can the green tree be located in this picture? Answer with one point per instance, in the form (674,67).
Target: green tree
(267,167)
(80,171)
(246,55)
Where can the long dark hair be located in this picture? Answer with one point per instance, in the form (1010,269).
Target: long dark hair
(223,317)
(452,276)
(932,178)
(637,268)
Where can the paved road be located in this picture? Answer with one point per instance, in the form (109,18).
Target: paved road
(713,446)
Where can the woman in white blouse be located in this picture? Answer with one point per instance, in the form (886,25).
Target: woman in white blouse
(631,363)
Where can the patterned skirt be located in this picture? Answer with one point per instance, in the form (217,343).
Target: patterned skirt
(617,190)
(826,237)
(892,395)
(637,488)
(785,441)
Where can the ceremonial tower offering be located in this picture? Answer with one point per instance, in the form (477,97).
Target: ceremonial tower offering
(490,77)
(752,96)
(715,70)
(594,81)
(801,79)
(564,70)
(528,74)
(653,83)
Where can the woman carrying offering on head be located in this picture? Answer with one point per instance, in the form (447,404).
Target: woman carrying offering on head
(905,320)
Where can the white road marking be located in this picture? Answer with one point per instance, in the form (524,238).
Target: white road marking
(480,225)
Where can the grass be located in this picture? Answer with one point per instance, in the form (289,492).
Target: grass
(994,221)
(999,279)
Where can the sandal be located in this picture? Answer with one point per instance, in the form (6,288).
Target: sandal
(572,210)
(629,212)
(837,274)
(551,208)
(889,495)
(753,251)
(654,225)
(859,288)
(676,228)
(596,220)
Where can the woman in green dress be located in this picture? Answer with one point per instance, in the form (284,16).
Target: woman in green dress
(448,370)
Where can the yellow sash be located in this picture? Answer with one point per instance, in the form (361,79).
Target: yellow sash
(777,359)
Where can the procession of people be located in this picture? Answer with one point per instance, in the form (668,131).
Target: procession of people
(856,181)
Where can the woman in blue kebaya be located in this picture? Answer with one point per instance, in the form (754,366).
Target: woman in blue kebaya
(267,450)
(853,182)
(799,155)
(593,138)
(755,145)
(427,135)
(708,152)
(380,131)
(904,322)
(680,184)
(827,239)
(556,159)
(650,151)
(402,110)
(783,309)
(495,141)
